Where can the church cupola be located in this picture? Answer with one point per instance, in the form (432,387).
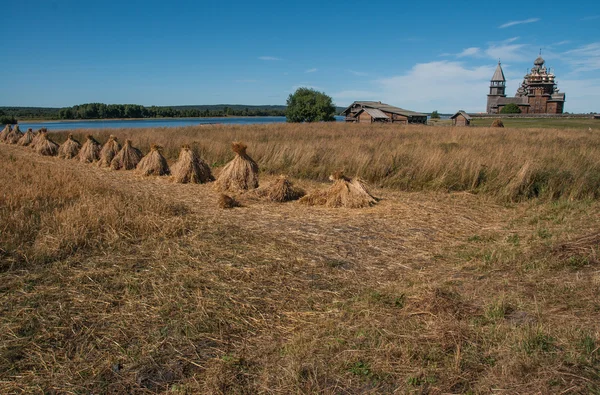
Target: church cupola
(498,82)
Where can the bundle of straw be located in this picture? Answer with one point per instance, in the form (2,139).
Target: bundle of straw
(239,174)
(69,149)
(189,168)
(345,192)
(153,163)
(14,135)
(45,146)
(110,149)
(7,129)
(90,151)
(281,190)
(127,158)
(27,138)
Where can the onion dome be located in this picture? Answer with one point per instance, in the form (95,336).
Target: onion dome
(539,61)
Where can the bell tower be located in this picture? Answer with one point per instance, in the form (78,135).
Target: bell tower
(497,88)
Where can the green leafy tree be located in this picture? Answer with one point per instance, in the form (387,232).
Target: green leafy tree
(435,115)
(510,108)
(309,105)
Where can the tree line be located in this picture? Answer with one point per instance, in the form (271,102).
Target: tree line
(113,111)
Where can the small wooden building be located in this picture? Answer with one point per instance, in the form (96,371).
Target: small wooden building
(461,118)
(370,112)
(371,115)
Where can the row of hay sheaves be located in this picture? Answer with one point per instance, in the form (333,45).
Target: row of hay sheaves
(238,176)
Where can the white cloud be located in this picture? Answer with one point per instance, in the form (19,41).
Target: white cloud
(584,58)
(506,51)
(269,58)
(513,23)
(468,52)
(443,85)
(358,73)
(246,81)
(590,18)
(311,70)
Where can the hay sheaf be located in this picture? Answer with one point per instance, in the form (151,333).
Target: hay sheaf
(110,149)
(37,137)
(90,151)
(45,146)
(27,138)
(69,149)
(345,192)
(226,201)
(7,129)
(189,168)
(153,164)
(14,135)
(240,174)
(127,158)
(497,123)
(281,190)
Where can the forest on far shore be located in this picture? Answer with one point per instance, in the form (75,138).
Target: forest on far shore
(116,111)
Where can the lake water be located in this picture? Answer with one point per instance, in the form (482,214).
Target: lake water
(150,123)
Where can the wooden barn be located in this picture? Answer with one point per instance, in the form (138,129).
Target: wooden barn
(376,111)
(461,118)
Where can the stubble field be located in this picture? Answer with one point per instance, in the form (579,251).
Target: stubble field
(477,271)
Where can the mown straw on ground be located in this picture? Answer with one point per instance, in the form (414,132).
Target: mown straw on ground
(108,285)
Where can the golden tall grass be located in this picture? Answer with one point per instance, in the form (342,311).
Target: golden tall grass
(563,163)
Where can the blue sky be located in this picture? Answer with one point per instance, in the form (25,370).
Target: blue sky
(423,56)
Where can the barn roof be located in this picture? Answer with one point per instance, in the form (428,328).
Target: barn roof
(464,114)
(384,107)
(374,113)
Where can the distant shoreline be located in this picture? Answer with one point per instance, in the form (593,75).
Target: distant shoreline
(140,119)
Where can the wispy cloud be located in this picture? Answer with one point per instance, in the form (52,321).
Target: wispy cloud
(513,23)
(561,43)
(311,70)
(269,58)
(468,52)
(584,58)
(508,50)
(246,80)
(358,73)
(590,18)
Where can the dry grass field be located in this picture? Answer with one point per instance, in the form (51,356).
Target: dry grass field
(477,272)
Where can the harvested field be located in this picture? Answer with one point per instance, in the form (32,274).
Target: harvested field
(115,283)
